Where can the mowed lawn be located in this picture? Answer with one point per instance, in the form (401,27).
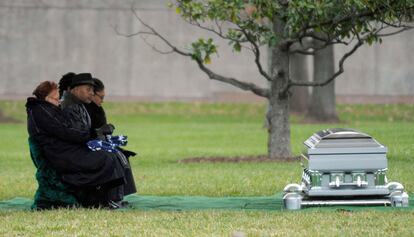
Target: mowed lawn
(163,133)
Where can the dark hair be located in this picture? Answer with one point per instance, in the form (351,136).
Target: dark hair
(44,89)
(65,82)
(99,86)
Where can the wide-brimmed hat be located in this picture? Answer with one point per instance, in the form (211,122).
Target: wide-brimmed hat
(82,79)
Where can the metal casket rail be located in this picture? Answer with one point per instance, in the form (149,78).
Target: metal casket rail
(344,167)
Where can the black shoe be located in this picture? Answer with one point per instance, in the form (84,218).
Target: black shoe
(117,204)
(114,205)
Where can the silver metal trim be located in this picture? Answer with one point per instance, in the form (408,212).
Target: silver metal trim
(384,202)
(337,183)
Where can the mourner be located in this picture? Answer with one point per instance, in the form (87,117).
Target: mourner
(64,83)
(97,113)
(99,124)
(81,95)
(80,92)
(95,109)
(90,176)
(51,191)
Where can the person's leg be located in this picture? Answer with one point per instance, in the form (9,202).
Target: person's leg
(129,186)
(91,197)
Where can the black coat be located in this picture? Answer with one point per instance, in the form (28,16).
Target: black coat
(75,112)
(97,115)
(65,148)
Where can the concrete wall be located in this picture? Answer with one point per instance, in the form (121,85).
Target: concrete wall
(43,39)
(380,69)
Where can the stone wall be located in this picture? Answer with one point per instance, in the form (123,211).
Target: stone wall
(43,39)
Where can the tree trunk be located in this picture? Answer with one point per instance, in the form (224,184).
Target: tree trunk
(322,107)
(278,108)
(279,128)
(299,98)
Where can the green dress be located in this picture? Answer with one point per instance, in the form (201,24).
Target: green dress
(52,192)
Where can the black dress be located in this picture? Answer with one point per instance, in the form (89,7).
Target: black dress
(97,115)
(98,119)
(64,147)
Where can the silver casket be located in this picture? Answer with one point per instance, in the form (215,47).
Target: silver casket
(344,167)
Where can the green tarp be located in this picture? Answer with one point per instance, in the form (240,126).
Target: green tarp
(182,203)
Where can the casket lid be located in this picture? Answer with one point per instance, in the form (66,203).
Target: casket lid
(341,138)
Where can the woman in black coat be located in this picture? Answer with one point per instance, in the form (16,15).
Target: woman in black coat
(91,173)
(95,110)
(99,122)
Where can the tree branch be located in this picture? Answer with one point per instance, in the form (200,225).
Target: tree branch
(155,33)
(218,32)
(328,80)
(305,48)
(333,22)
(256,51)
(239,84)
(396,32)
(212,75)
(155,48)
(345,19)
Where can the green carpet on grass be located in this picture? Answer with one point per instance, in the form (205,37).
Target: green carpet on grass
(183,203)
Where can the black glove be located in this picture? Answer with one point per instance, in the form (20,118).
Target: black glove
(106,129)
(127,153)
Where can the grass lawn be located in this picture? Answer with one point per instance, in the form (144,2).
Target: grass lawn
(163,133)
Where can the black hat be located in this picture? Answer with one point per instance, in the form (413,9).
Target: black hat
(82,79)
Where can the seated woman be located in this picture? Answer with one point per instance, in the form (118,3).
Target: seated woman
(97,113)
(88,175)
(98,121)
